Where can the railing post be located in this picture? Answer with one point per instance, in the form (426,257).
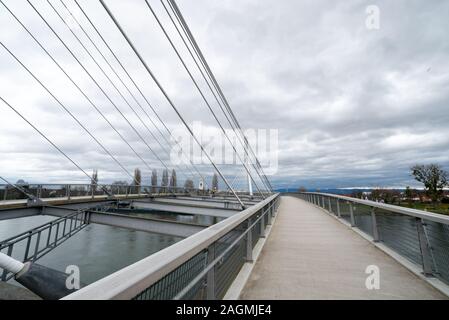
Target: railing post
(374,223)
(5,194)
(338,208)
(329,203)
(68,191)
(425,248)
(322,202)
(249,243)
(269,213)
(351,212)
(262,225)
(210,282)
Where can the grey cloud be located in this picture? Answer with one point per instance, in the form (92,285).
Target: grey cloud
(352,106)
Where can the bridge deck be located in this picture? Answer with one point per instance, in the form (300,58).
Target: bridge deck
(310,255)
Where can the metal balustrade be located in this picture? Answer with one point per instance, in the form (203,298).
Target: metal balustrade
(419,236)
(37,242)
(202,266)
(67,191)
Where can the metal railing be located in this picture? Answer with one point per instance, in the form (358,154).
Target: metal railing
(421,237)
(68,191)
(37,242)
(202,266)
(82,190)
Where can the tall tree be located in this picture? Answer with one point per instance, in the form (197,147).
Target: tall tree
(137,181)
(434,179)
(154,180)
(94,180)
(214,183)
(173,180)
(409,195)
(164,181)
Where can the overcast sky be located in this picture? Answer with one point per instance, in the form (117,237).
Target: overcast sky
(353,106)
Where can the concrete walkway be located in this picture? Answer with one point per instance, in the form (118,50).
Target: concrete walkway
(311,255)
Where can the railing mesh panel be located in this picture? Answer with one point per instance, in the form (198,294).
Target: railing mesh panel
(229,266)
(256,230)
(345,211)
(362,217)
(171,284)
(438,235)
(399,232)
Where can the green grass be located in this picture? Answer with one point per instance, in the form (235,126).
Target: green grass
(441,208)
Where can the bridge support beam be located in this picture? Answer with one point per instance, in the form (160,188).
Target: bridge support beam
(160,226)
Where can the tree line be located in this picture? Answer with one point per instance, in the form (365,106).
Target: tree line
(167,182)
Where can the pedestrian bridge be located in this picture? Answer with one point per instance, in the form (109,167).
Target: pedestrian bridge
(311,255)
(294,246)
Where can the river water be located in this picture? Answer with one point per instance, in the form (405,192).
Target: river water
(99,250)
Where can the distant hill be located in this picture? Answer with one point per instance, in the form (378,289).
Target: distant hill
(332,190)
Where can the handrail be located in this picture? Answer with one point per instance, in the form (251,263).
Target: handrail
(436,217)
(133,279)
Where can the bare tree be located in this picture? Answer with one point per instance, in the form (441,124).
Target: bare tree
(164,181)
(434,179)
(94,181)
(214,183)
(385,195)
(409,195)
(173,180)
(137,181)
(154,180)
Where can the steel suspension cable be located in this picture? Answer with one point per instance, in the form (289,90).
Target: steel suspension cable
(54,145)
(245,147)
(96,83)
(168,98)
(201,93)
(211,76)
(122,81)
(214,83)
(114,86)
(65,108)
(15,186)
(74,83)
(133,82)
